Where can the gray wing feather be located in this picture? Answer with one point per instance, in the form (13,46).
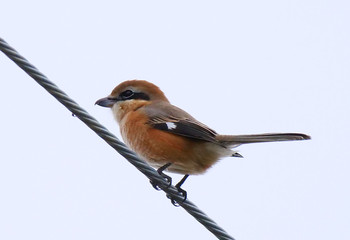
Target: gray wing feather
(169,118)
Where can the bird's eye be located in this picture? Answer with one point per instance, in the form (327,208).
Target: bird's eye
(127,94)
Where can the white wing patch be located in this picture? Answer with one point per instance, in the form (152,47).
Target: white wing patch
(170,125)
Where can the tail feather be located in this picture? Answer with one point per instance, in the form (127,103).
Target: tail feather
(235,140)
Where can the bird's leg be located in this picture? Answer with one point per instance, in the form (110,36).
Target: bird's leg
(179,184)
(160,170)
(180,190)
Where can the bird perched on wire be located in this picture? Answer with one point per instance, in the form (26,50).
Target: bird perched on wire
(167,137)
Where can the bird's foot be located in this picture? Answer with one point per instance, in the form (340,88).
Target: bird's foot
(182,192)
(167,178)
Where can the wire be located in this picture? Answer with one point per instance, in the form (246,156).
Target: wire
(113,141)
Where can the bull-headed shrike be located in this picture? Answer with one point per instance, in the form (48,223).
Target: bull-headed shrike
(167,137)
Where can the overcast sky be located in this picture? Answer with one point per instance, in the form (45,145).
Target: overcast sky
(237,66)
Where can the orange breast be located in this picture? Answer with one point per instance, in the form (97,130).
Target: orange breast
(188,156)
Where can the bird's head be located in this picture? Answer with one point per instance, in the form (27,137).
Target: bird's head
(131,95)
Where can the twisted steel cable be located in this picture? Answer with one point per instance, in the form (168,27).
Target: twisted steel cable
(113,141)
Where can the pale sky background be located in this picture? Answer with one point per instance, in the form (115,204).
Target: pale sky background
(237,66)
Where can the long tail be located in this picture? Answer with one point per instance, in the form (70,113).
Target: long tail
(235,140)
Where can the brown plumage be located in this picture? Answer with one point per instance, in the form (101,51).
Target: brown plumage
(161,133)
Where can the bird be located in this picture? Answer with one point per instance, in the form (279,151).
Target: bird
(169,138)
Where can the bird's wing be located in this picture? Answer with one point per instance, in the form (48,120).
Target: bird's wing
(166,117)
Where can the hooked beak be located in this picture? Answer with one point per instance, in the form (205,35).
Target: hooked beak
(106,102)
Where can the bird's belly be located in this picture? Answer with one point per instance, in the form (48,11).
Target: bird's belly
(157,147)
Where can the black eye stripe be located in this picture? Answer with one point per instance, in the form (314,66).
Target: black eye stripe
(142,96)
(128,95)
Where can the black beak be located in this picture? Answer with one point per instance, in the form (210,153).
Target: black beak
(106,102)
